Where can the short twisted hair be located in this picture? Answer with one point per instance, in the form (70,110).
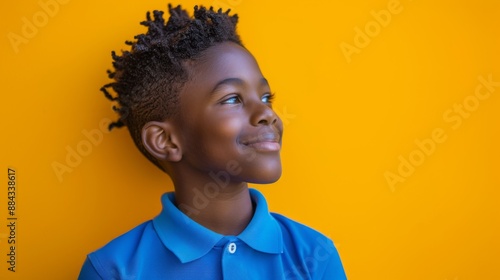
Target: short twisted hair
(149,77)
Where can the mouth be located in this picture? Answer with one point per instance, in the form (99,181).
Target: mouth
(266,142)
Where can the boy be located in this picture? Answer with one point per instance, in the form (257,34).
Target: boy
(197,106)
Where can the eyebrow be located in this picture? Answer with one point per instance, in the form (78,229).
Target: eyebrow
(236,81)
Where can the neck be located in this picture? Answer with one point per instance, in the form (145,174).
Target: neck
(225,210)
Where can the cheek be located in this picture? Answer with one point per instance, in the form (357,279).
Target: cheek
(230,128)
(216,138)
(223,130)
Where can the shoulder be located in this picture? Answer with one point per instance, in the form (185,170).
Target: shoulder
(313,252)
(293,225)
(302,235)
(114,257)
(126,243)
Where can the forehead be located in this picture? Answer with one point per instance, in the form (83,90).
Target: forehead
(222,61)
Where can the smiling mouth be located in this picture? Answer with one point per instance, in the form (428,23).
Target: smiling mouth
(266,142)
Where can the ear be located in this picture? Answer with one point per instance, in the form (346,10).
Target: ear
(160,141)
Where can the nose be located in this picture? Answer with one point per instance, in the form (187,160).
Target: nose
(263,114)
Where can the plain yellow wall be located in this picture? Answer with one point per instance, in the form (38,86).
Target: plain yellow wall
(391,142)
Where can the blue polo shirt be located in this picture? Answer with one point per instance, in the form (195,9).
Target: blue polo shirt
(173,246)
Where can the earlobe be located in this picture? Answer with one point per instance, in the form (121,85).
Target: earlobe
(160,141)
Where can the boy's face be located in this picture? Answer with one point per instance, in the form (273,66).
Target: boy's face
(226,121)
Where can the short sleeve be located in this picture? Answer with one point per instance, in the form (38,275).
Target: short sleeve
(89,272)
(334,269)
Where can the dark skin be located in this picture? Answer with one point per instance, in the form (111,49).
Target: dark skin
(225,129)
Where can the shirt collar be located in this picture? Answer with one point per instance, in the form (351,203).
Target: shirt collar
(189,240)
(263,233)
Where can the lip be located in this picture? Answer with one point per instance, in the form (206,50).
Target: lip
(268,141)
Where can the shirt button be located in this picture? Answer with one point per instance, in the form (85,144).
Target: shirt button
(231,248)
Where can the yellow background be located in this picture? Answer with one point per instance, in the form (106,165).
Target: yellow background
(346,126)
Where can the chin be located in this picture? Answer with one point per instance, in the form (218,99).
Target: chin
(266,175)
(268,180)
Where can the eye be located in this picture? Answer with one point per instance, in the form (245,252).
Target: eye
(268,98)
(231,100)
